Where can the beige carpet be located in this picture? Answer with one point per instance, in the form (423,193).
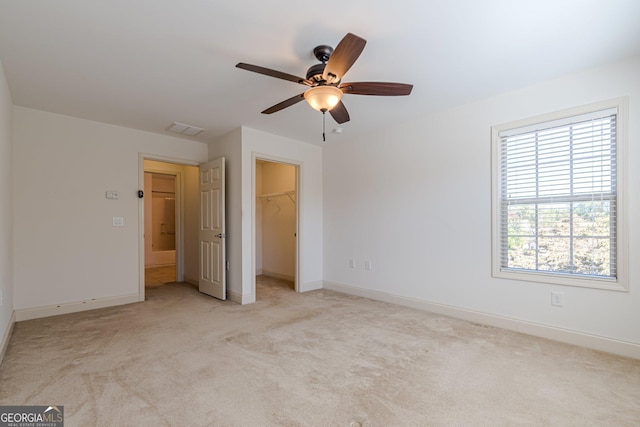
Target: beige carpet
(315,359)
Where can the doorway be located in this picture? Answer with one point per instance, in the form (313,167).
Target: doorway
(173,255)
(276,226)
(160,228)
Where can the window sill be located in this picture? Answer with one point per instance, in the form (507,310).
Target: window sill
(561,279)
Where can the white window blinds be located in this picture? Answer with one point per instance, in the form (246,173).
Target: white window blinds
(558,196)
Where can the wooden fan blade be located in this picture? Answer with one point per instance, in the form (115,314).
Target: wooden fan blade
(343,57)
(340,113)
(284,104)
(273,73)
(377,88)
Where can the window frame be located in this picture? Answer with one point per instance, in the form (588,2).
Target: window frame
(620,283)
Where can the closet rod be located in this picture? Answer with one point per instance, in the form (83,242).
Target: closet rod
(281,193)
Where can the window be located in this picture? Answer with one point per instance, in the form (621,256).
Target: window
(557,204)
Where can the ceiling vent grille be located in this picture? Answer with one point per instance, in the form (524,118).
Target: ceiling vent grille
(183,129)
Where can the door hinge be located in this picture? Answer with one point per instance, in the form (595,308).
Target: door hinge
(227,264)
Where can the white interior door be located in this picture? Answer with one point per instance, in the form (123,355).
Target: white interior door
(212,279)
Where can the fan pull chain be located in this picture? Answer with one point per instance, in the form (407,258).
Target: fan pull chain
(324,139)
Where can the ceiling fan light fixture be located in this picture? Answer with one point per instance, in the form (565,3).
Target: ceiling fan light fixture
(323,98)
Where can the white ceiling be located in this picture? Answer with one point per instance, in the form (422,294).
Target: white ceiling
(147,63)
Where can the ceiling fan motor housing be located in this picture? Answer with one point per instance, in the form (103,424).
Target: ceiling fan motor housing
(322,54)
(314,73)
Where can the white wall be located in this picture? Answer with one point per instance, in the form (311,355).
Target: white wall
(65,247)
(276,221)
(241,147)
(308,157)
(415,200)
(6,211)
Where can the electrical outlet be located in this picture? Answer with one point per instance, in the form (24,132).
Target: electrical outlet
(367,265)
(352,263)
(118,221)
(557,298)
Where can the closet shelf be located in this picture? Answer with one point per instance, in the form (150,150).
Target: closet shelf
(290,194)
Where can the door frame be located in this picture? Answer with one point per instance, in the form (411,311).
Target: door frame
(299,199)
(179,215)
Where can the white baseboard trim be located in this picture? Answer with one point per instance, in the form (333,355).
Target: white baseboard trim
(234,296)
(310,286)
(7,336)
(276,275)
(74,307)
(239,298)
(594,342)
(192,280)
(258,272)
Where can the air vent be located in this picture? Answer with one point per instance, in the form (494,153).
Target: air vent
(183,129)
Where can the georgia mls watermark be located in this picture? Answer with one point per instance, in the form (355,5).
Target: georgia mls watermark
(31,416)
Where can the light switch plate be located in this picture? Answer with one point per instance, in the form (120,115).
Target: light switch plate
(113,195)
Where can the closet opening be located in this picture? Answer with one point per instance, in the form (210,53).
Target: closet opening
(276,226)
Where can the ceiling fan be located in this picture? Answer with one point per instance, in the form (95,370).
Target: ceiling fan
(325,89)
